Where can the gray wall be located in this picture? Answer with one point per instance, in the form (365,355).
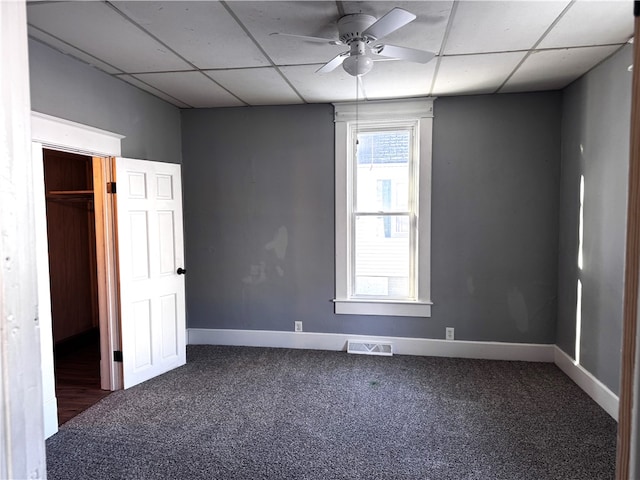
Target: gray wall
(67,88)
(595,143)
(495,200)
(248,172)
(251,173)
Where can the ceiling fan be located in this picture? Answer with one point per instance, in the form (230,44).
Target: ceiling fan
(361,32)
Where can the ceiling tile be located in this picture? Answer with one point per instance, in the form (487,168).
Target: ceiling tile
(99,30)
(202,32)
(257,86)
(317,19)
(592,23)
(474,74)
(555,69)
(336,86)
(70,50)
(397,79)
(192,88)
(153,91)
(500,26)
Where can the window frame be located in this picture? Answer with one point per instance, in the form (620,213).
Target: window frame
(374,115)
(412,207)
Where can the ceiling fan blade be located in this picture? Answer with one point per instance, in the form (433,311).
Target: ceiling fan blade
(328,41)
(390,22)
(334,63)
(404,53)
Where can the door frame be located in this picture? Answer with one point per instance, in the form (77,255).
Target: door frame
(60,134)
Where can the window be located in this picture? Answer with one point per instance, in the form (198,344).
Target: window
(383,193)
(382,258)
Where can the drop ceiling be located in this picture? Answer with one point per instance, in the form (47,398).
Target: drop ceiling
(221,53)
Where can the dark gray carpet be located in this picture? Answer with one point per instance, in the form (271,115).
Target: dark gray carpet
(250,413)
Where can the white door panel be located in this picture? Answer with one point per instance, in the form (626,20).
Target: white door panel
(150,248)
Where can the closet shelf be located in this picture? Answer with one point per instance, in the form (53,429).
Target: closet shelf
(70,195)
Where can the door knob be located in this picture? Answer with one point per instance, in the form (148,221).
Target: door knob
(181,271)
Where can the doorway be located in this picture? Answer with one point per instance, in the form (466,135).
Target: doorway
(151,189)
(71,232)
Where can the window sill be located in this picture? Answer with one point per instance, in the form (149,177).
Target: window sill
(382,307)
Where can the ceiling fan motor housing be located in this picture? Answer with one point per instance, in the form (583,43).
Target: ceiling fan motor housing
(350,27)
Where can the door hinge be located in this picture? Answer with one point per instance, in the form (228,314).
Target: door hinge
(117,356)
(111,187)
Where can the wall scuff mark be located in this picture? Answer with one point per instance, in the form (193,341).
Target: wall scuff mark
(279,243)
(471,288)
(258,273)
(518,309)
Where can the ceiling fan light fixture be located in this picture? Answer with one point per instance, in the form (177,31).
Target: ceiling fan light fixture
(357,65)
(360,32)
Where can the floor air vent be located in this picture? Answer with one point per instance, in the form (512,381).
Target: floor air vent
(369,348)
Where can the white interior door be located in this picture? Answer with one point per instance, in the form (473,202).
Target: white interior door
(151,253)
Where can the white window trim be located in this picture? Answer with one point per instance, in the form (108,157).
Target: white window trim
(420,110)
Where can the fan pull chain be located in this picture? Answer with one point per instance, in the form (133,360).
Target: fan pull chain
(357,140)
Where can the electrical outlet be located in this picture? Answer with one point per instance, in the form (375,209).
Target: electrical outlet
(450,333)
(297,326)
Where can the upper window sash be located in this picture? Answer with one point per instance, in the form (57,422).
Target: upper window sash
(413,163)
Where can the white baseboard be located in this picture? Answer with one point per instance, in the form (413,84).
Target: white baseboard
(587,382)
(50,411)
(401,345)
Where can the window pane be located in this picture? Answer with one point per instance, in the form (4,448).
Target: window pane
(382,256)
(382,172)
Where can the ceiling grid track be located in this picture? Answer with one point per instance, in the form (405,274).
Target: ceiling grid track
(141,28)
(532,49)
(221,69)
(114,75)
(445,38)
(74,48)
(246,31)
(548,49)
(153,88)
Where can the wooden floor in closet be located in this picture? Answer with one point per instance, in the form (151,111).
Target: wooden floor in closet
(78,378)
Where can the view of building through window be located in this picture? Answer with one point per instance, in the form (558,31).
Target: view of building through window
(383,214)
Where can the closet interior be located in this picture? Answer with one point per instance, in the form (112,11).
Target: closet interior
(73,276)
